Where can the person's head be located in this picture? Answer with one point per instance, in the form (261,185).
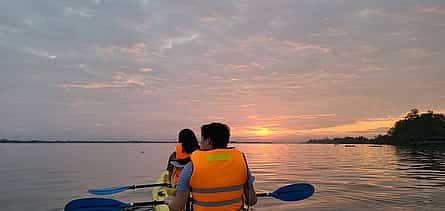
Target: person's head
(188,139)
(217,134)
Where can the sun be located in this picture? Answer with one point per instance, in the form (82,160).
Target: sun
(263,132)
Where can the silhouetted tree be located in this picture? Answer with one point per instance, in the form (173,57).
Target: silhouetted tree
(415,128)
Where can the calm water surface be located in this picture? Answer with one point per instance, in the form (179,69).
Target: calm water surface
(47,176)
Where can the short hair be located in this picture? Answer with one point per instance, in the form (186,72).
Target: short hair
(218,133)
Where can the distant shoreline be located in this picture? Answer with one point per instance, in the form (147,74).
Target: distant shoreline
(6,141)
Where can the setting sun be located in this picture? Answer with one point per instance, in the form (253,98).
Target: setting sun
(263,132)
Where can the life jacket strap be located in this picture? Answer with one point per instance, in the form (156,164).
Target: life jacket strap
(217,203)
(217,190)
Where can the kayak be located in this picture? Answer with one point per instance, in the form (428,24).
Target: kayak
(160,193)
(292,192)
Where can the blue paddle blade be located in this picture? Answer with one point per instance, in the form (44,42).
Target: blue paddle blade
(294,192)
(95,204)
(108,191)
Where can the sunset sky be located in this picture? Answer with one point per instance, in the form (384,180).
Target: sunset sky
(271,70)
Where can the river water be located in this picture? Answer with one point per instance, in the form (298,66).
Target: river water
(363,177)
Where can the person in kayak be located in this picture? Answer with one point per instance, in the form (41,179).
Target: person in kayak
(217,178)
(187,143)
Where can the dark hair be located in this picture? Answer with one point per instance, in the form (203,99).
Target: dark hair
(218,133)
(188,139)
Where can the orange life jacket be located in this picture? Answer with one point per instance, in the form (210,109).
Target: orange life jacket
(177,170)
(218,178)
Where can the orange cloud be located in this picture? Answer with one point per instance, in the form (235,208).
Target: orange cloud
(146,70)
(275,131)
(244,67)
(267,131)
(137,48)
(362,126)
(432,10)
(287,117)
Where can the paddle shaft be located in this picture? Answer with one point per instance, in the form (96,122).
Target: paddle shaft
(148,186)
(263,194)
(154,203)
(148,203)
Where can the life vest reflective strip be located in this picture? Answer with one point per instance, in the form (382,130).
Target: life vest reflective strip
(177,171)
(218,178)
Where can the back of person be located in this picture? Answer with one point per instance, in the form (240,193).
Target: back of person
(181,159)
(218,178)
(187,143)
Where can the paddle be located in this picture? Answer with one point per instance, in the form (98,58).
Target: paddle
(118,189)
(293,192)
(102,204)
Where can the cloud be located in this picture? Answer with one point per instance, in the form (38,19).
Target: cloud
(255,40)
(93,85)
(28,21)
(220,20)
(84,12)
(367,13)
(363,51)
(371,68)
(303,46)
(137,48)
(362,126)
(134,49)
(261,131)
(146,70)
(96,1)
(262,46)
(290,117)
(120,80)
(414,53)
(39,53)
(331,32)
(432,10)
(171,43)
(244,67)
(247,105)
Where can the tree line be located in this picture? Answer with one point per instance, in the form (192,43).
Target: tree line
(414,129)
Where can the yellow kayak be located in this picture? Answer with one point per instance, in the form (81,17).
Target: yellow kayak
(160,193)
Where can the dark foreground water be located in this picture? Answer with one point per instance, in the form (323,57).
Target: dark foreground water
(47,176)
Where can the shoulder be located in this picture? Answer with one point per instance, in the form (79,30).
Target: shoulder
(237,151)
(172,156)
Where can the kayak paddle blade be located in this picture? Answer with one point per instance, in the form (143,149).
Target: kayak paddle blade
(108,191)
(294,192)
(95,204)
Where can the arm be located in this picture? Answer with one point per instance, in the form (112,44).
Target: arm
(249,192)
(170,166)
(178,201)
